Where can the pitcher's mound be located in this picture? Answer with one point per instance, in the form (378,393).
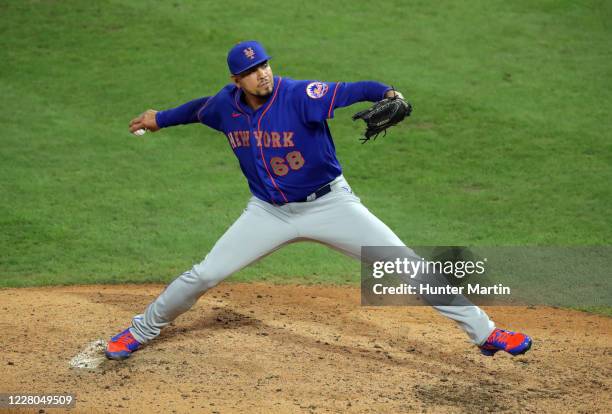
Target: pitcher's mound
(291,348)
(91,357)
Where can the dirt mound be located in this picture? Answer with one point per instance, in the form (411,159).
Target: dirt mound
(286,348)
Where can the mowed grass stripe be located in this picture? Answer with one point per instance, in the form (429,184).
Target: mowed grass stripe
(509,143)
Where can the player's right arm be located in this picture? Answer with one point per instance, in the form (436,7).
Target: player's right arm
(153,120)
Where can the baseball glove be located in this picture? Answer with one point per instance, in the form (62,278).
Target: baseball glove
(382,115)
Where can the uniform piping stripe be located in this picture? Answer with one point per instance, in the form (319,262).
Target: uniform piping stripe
(331,105)
(261,148)
(203,107)
(236,102)
(236,95)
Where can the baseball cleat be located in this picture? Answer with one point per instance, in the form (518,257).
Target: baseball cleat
(513,343)
(122,345)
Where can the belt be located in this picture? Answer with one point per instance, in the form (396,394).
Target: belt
(319,193)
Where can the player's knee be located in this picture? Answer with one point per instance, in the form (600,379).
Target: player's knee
(202,281)
(205,277)
(393,240)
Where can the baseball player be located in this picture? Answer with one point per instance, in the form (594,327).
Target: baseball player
(277,128)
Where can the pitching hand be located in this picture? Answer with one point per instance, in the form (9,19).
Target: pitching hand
(145,121)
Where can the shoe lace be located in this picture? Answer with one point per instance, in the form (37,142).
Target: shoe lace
(125,339)
(502,336)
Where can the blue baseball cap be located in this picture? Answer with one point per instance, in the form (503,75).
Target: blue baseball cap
(246,55)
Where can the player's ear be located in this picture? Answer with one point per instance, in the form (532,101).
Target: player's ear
(235,79)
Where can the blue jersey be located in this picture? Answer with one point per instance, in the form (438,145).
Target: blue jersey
(284,148)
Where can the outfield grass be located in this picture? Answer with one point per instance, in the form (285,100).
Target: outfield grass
(510,142)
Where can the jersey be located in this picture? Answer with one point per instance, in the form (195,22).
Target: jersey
(284,148)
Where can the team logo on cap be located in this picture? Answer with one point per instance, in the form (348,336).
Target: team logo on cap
(316,90)
(249,52)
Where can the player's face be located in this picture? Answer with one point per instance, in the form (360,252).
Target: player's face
(256,81)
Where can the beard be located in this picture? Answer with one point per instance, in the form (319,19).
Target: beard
(265,93)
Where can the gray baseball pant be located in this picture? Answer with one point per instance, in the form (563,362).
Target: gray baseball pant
(337,219)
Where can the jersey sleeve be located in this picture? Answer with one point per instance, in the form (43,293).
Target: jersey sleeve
(181,115)
(318,100)
(210,113)
(202,110)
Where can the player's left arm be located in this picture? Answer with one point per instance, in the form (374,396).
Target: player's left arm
(348,93)
(320,99)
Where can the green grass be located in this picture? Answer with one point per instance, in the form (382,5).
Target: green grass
(509,144)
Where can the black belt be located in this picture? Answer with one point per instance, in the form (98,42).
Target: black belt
(319,193)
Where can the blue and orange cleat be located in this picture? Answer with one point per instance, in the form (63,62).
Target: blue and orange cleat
(122,345)
(513,343)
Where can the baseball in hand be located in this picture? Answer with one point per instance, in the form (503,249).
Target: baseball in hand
(140,131)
